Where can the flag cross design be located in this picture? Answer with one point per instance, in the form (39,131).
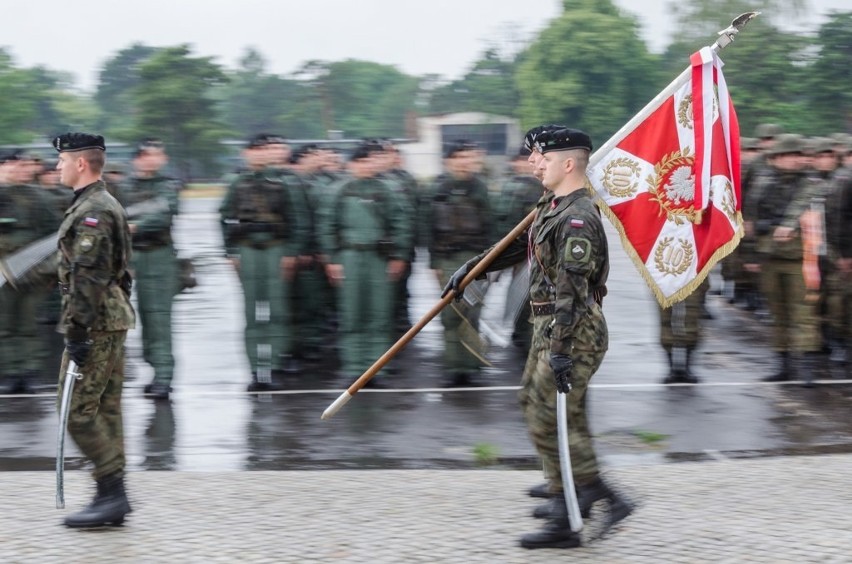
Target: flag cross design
(671,185)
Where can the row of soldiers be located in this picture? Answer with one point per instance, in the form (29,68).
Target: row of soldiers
(312,244)
(795,258)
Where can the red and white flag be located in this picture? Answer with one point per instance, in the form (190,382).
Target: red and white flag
(671,184)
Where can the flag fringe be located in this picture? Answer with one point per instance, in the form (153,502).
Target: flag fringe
(692,285)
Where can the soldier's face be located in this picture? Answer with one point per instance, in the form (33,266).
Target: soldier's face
(534,160)
(69,168)
(553,169)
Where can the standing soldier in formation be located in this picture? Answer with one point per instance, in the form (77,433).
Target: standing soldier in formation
(840,249)
(26,216)
(94,249)
(458,221)
(365,233)
(570,266)
(154,262)
(680,333)
(775,203)
(518,196)
(265,231)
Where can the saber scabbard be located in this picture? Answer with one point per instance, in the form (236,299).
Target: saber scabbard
(576,520)
(72,374)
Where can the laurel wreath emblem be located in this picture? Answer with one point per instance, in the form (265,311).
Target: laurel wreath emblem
(668,163)
(728,201)
(621,177)
(684,112)
(673,259)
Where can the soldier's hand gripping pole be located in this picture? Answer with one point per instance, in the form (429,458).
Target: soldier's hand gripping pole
(574,517)
(72,374)
(479,269)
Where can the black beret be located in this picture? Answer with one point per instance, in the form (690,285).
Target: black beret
(364,151)
(258,140)
(273,139)
(532,134)
(151,143)
(562,140)
(70,142)
(459,147)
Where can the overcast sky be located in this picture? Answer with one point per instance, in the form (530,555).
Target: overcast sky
(418,36)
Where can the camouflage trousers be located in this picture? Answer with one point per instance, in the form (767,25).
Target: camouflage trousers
(94,420)
(538,398)
(680,324)
(795,322)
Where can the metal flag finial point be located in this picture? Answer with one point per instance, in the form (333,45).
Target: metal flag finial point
(726,36)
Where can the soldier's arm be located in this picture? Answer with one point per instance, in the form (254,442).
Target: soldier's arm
(401,221)
(91,266)
(227,213)
(578,248)
(326,224)
(298,214)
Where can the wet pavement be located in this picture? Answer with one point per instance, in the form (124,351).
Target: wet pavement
(414,421)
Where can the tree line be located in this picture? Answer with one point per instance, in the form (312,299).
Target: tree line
(589,68)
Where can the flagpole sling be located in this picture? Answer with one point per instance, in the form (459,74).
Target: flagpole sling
(478,270)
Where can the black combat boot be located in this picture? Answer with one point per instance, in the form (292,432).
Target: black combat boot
(688,377)
(673,375)
(158,390)
(542,490)
(108,508)
(556,533)
(784,371)
(808,367)
(619,507)
(555,508)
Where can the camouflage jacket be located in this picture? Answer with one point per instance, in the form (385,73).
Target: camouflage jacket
(94,249)
(456,217)
(839,214)
(152,204)
(570,265)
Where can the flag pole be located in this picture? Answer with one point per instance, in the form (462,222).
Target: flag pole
(477,270)
(726,37)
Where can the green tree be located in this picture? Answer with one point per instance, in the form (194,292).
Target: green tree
(489,87)
(588,69)
(363,99)
(830,87)
(115,94)
(765,68)
(255,101)
(174,103)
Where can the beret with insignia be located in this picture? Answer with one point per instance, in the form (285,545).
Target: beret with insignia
(532,134)
(563,140)
(258,140)
(70,142)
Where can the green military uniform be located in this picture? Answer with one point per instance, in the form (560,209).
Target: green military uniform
(680,333)
(264,221)
(839,238)
(94,245)
(458,221)
(404,182)
(780,198)
(25,217)
(155,266)
(518,196)
(362,227)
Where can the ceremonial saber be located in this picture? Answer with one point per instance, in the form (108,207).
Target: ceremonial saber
(574,517)
(71,375)
(479,269)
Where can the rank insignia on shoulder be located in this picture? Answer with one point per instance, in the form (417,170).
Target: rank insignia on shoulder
(577,222)
(91,221)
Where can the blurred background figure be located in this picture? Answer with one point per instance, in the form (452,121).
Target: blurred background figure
(154,260)
(458,223)
(365,232)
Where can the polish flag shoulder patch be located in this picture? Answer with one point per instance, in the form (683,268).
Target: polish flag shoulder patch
(577,222)
(91,221)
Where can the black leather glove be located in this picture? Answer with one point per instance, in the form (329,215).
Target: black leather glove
(78,344)
(562,366)
(457,277)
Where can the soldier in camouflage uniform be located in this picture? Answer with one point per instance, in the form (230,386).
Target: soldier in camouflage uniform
(680,333)
(839,239)
(94,248)
(25,217)
(155,264)
(518,196)
(775,204)
(570,265)
(365,231)
(265,231)
(457,220)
